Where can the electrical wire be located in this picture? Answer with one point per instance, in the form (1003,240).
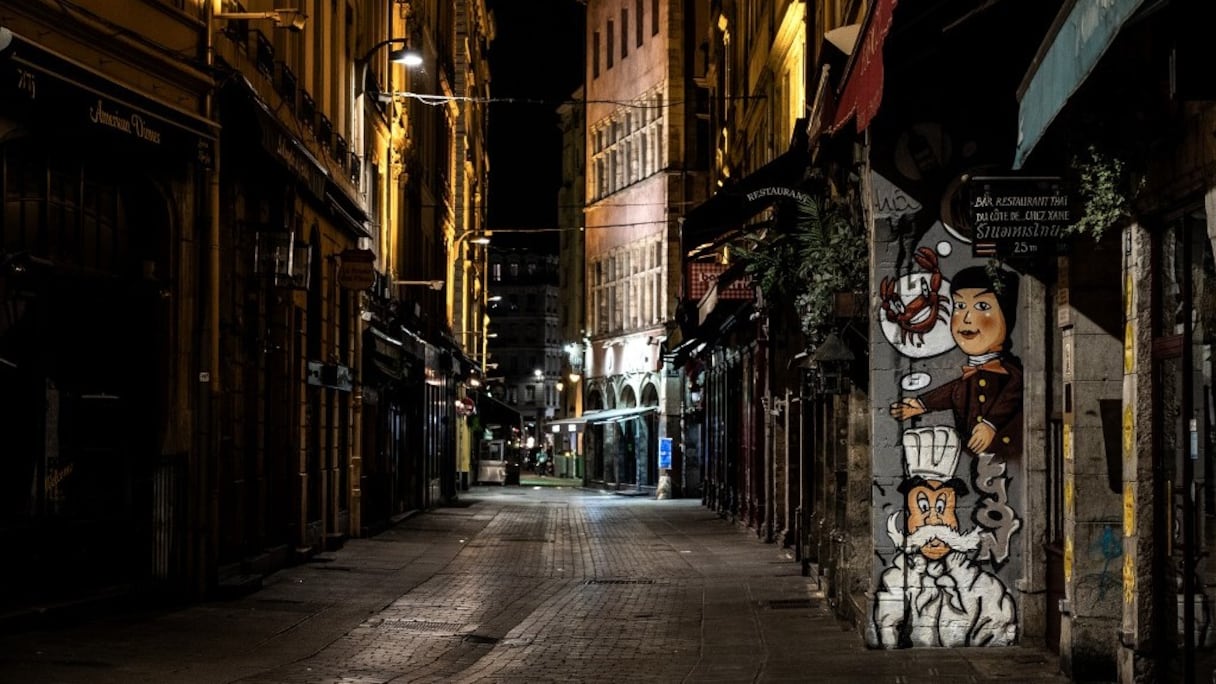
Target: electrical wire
(577,229)
(438,100)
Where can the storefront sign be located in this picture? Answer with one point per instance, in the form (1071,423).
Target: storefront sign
(284,147)
(704,275)
(357,269)
(778,192)
(1016,216)
(46,89)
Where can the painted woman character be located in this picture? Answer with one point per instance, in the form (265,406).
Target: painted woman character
(987,398)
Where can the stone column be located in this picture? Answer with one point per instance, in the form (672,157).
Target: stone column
(1092,374)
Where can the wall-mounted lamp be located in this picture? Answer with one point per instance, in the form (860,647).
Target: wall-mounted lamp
(290,19)
(433,284)
(473,237)
(829,366)
(407,56)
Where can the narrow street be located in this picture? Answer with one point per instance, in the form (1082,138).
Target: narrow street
(515,584)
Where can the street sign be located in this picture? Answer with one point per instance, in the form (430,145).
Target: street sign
(664,453)
(1017,216)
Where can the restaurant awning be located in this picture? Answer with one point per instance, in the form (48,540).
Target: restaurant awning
(287,148)
(495,413)
(718,218)
(599,417)
(862,81)
(1075,43)
(713,326)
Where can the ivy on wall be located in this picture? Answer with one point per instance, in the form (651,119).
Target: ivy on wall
(822,253)
(1106,190)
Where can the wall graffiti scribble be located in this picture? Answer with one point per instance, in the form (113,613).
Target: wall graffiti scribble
(994,512)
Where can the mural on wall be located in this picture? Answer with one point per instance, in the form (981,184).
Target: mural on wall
(986,398)
(934,593)
(941,586)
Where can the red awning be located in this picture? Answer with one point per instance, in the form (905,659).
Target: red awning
(862,90)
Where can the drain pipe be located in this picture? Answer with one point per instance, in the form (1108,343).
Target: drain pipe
(206,505)
(213,229)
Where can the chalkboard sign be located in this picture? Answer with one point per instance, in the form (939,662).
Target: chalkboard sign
(1017,216)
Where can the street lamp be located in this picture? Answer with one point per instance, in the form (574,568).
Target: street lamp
(539,376)
(290,19)
(474,237)
(407,56)
(462,288)
(433,284)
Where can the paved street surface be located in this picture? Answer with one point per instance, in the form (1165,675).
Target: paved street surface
(516,584)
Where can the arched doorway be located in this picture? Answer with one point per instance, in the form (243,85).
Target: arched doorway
(648,469)
(593,440)
(631,440)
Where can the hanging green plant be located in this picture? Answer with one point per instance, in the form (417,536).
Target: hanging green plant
(1106,191)
(821,254)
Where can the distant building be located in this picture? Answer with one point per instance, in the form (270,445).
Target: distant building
(525,356)
(572,284)
(642,166)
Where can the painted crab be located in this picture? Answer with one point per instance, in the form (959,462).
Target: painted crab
(917,316)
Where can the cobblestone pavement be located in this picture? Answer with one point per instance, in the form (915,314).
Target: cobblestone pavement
(515,584)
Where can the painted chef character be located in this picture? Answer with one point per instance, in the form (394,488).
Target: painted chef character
(987,399)
(933,594)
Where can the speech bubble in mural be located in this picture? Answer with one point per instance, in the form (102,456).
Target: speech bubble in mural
(915,381)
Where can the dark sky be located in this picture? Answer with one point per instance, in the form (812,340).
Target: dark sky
(537,56)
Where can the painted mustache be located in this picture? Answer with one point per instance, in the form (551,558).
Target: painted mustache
(957,541)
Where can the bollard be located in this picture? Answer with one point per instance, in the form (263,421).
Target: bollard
(663,491)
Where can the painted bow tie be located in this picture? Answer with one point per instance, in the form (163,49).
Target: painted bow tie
(993,366)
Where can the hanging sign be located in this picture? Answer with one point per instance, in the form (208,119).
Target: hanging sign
(1012,216)
(357,270)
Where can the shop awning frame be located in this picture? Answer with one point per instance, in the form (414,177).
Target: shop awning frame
(716,324)
(494,412)
(601,417)
(1073,46)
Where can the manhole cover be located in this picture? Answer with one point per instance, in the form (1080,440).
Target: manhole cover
(620,581)
(423,626)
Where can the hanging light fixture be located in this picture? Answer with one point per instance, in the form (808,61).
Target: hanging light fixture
(408,56)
